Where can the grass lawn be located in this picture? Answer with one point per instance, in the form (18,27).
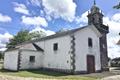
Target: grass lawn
(46,74)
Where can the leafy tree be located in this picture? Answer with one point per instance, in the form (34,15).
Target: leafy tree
(117,6)
(37,34)
(115,62)
(1,55)
(23,36)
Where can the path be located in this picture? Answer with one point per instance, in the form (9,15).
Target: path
(116,77)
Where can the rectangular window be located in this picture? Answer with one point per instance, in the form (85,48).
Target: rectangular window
(90,43)
(55,46)
(32,59)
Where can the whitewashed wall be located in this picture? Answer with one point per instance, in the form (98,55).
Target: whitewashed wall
(56,59)
(26,64)
(11,60)
(82,49)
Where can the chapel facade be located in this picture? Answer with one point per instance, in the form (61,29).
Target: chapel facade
(77,51)
(95,17)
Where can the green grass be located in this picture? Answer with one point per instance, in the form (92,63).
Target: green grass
(45,74)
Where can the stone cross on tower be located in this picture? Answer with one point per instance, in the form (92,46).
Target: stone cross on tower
(94,2)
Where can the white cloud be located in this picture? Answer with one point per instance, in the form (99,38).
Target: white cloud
(82,19)
(60,8)
(113,37)
(36,21)
(5,18)
(113,49)
(48,32)
(4,38)
(21,8)
(114,25)
(116,17)
(48,18)
(35,2)
(3,49)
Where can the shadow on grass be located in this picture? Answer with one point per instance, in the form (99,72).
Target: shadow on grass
(114,68)
(48,73)
(6,71)
(44,74)
(36,72)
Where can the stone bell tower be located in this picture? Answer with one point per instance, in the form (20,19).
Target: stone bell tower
(95,17)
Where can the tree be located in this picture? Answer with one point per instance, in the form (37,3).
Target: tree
(37,34)
(117,6)
(115,62)
(23,36)
(1,55)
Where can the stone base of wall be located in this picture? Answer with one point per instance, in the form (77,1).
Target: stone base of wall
(65,71)
(98,71)
(80,72)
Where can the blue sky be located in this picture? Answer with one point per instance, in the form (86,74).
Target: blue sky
(53,15)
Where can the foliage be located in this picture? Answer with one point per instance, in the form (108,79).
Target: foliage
(37,34)
(1,55)
(23,36)
(115,62)
(109,58)
(117,6)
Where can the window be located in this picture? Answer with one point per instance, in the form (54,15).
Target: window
(90,44)
(55,46)
(32,59)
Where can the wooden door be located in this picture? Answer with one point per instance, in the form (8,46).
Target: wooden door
(90,64)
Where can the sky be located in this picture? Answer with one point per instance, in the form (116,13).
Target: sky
(51,16)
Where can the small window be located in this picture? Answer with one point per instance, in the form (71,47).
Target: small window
(32,59)
(55,46)
(90,44)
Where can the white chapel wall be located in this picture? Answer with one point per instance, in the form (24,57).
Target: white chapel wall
(11,60)
(25,59)
(82,49)
(59,59)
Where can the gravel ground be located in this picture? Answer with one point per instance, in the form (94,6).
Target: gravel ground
(112,75)
(6,77)
(116,77)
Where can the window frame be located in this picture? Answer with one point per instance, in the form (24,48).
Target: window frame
(32,59)
(55,46)
(90,42)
